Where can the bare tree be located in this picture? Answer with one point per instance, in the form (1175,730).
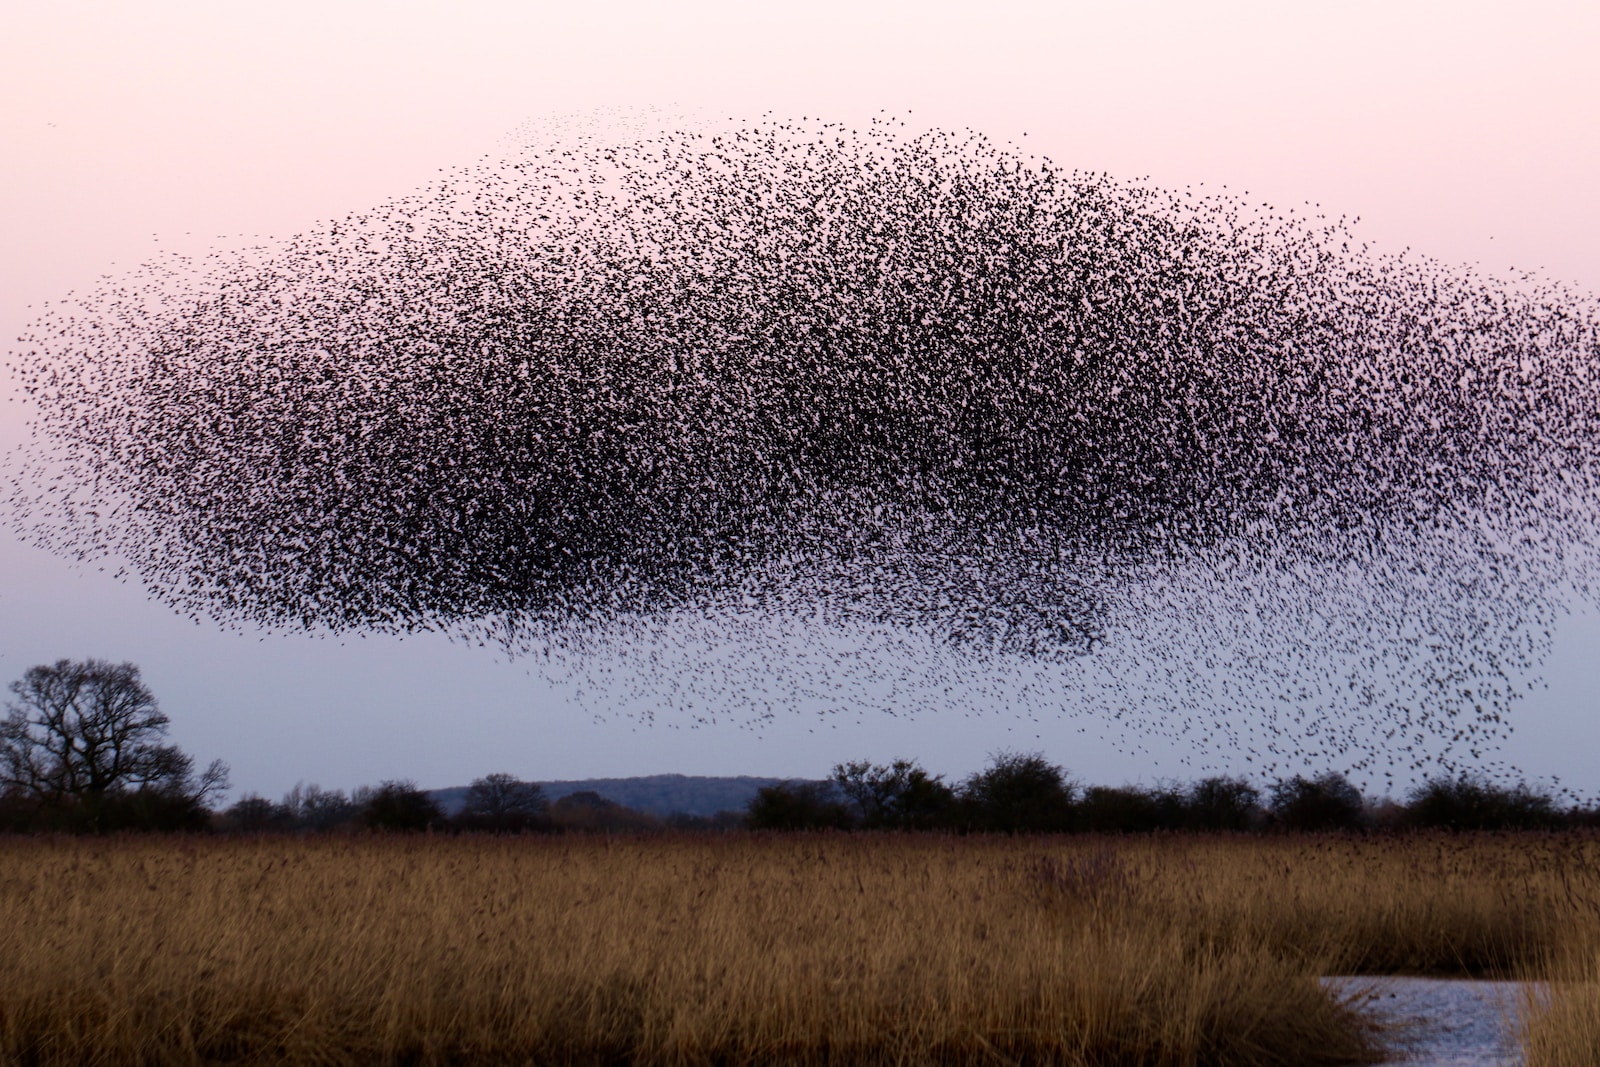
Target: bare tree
(80,733)
(503,802)
(311,807)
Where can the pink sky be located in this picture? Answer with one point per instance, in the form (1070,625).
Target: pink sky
(1469,131)
(1466,130)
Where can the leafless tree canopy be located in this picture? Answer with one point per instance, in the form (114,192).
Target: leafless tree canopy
(76,731)
(500,795)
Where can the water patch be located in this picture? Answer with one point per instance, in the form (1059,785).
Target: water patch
(1443,1022)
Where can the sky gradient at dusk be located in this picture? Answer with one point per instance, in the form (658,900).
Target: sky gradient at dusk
(1466,132)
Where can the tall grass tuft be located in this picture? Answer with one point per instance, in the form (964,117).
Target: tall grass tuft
(1560,1021)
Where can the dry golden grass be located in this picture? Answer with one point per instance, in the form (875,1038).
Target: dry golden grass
(741,950)
(1442,904)
(1562,1025)
(1561,1021)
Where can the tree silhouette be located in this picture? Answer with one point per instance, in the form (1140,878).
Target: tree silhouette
(1020,793)
(503,803)
(84,743)
(798,805)
(899,796)
(1326,802)
(399,805)
(1222,803)
(1468,803)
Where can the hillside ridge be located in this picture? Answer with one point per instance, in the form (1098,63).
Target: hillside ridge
(657,794)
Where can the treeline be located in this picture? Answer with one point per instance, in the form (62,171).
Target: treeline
(83,749)
(660,794)
(160,807)
(1014,794)
(496,803)
(1026,793)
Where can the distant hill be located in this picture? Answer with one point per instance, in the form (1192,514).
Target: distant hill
(658,794)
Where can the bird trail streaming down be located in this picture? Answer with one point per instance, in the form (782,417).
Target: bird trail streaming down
(880,415)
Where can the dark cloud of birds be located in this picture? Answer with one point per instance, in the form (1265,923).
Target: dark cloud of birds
(793,377)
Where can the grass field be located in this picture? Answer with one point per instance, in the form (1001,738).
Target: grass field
(750,949)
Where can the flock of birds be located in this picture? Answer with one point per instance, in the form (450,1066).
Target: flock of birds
(915,407)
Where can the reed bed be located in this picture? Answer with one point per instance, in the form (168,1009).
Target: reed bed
(1560,1024)
(744,949)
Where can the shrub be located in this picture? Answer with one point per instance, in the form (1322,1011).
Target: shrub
(1104,810)
(1223,804)
(1019,793)
(798,806)
(255,814)
(1326,802)
(313,808)
(398,805)
(588,812)
(1469,803)
(898,796)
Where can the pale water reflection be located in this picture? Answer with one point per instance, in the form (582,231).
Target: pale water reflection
(1444,1022)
